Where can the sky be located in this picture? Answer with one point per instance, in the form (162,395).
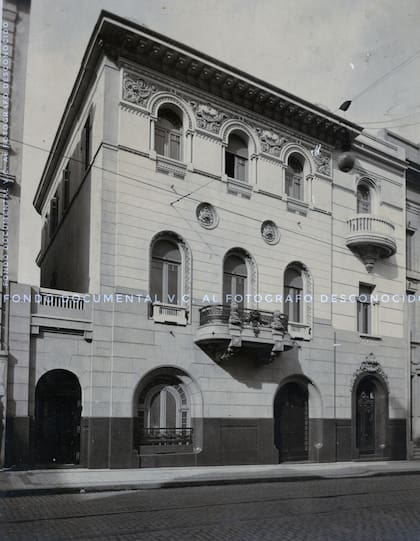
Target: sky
(325,52)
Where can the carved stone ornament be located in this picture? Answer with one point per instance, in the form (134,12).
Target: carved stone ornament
(271,142)
(208,118)
(270,232)
(137,91)
(369,366)
(280,321)
(323,163)
(207,216)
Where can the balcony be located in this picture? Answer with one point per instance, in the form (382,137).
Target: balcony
(60,311)
(371,237)
(169,313)
(226,331)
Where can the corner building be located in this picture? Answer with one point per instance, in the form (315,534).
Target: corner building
(176,176)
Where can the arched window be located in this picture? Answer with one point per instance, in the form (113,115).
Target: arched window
(294,176)
(236,157)
(293,292)
(164,414)
(364,199)
(166,407)
(235,276)
(165,278)
(168,133)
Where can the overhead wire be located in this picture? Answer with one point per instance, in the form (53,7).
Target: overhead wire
(146,181)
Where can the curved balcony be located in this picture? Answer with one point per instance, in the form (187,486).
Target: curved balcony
(225,331)
(371,237)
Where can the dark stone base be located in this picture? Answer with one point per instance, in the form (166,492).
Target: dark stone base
(17,443)
(396,436)
(108,443)
(237,441)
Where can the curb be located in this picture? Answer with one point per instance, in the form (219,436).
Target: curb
(154,485)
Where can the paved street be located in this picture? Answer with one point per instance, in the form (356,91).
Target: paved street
(374,509)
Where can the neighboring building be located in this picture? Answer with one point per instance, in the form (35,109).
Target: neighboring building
(412,152)
(176,176)
(14,33)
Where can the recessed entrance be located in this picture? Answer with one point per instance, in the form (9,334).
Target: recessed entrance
(366,418)
(57,418)
(291,422)
(370,416)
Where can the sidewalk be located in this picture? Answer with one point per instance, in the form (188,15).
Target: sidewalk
(56,481)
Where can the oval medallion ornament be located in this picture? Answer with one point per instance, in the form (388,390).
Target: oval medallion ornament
(270,232)
(207,216)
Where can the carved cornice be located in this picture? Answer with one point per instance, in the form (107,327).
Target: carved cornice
(161,54)
(117,39)
(207,121)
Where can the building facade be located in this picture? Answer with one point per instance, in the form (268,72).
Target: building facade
(218,280)
(14,40)
(412,152)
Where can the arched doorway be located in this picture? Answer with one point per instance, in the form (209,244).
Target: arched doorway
(57,418)
(291,422)
(370,414)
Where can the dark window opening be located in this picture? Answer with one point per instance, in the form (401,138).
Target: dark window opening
(364,205)
(165,279)
(293,292)
(235,276)
(86,144)
(294,177)
(364,309)
(66,187)
(236,158)
(168,133)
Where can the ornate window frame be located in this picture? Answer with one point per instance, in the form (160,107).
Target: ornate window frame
(238,187)
(252,275)
(163,163)
(165,375)
(169,313)
(293,204)
(302,330)
(374,192)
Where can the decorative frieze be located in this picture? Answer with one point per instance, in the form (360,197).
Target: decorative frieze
(322,161)
(137,90)
(208,118)
(271,142)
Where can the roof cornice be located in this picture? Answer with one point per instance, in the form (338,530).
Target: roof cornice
(117,38)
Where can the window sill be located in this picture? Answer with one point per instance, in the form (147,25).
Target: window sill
(299,331)
(297,205)
(369,336)
(239,187)
(413,274)
(170,166)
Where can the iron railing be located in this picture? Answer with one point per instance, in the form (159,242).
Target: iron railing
(221,313)
(166,436)
(61,299)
